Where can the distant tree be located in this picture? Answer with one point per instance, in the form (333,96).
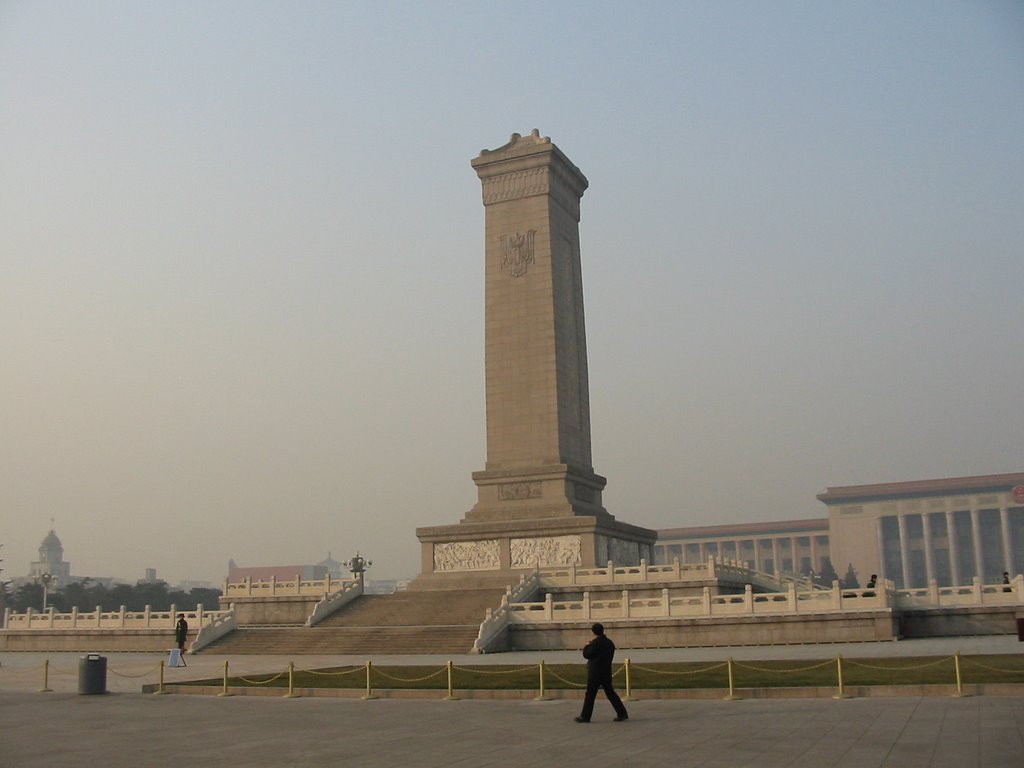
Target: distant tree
(828,574)
(28,595)
(86,595)
(850,580)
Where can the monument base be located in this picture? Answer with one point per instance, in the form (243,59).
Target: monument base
(495,553)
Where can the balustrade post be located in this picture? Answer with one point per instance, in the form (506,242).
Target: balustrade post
(677,571)
(625,603)
(548,607)
(51,610)
(933,592)
(7,616)
(248,586)
(99,616)
(327,583)
(837,596)
(706,601)
(711,567)
(666,603)
(298,584)
(586,605)
(572,572)
(976,590)
(611,572)
(174,613)
(643,569)
(748,597)
(199,614)
(791,596)
(74,617)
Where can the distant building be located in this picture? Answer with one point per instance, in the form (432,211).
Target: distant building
(334,568)
(787,546)
(51,560)
(238,573)
(951,530)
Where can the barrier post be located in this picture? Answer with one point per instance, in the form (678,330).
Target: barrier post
(369,671)
(841,693)
(451,690)
(46,677)
(291,682)
(629,682)
(959,678)
(541,696)
(160,681)
(224,690)
(732,688)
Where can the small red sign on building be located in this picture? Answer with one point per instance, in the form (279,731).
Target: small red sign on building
(1018,494)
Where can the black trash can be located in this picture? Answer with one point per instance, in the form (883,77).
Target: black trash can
(92,674)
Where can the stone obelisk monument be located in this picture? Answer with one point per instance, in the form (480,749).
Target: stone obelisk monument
(539,499)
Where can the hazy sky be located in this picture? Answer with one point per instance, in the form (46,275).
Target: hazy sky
(241,262)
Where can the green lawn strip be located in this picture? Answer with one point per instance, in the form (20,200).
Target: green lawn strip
(933,670)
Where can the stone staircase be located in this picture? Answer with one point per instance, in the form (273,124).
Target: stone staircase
(415,622)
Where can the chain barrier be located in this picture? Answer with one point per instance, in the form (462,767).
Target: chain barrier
(971,662)
(494,671)
(908,668)
(260,682)
(784,671)
(411,679)
(681,672)
(133,677)
(563,680)
(332,674)
(543,668)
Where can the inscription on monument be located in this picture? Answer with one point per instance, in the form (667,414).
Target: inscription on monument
(518,491)
(548,550)
(467,555)
(517,252)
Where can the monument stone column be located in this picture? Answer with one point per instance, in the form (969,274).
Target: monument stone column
(538,496)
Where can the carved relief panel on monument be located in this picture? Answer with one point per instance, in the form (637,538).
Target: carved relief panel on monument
(467,555)
(543,551)
(519,491)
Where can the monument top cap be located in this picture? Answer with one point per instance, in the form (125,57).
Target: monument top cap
(517,141)
(525,152)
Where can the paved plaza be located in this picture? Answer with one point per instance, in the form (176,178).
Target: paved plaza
(129,728)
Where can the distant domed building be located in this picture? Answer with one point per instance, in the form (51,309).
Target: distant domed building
(51,559)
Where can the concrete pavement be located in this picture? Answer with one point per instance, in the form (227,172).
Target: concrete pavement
(128,728)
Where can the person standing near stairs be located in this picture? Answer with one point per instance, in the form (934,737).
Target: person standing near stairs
(180,635)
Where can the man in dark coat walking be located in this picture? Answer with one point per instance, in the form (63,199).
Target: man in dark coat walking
(599,653)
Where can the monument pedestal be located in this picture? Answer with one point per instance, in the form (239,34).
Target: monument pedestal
(494,553)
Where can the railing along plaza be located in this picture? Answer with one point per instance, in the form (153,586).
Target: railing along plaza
(100,619)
